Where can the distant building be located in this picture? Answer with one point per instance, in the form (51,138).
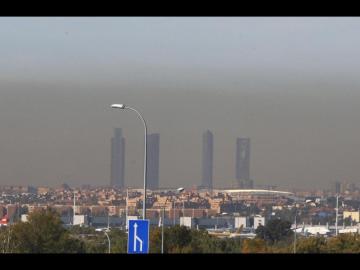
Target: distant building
(187,222)
(43,190)
(207,160)
(337,187)
(80,220)
(243,222)
(153,150)
(259,221)
(2,211)
(13,212)
(243,163)
(354,215)
(117,159)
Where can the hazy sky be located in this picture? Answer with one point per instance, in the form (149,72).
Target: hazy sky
(290,84)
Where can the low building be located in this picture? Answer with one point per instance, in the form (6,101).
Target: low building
(187,222)
(243,222)
(80,220)
(354,215)
(259,221)
(260,196)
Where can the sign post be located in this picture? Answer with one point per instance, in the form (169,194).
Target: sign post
(138,236)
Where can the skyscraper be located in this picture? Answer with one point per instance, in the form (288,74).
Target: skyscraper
(337,187)
(117,159)
(207,160)
(243,163)
(152,174)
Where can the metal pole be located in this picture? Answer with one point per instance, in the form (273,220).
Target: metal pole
(183,210)
(162,230)
(108,241)
(162,226)
(337,212)
(126,211)
(145,157)
(74,211)
(295,233)
(174,211)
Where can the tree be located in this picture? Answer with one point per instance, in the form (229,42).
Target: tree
(155,239)
(118,240)
(177,239)
(43,233)
(274,231)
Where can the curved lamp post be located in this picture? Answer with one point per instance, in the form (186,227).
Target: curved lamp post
(105,231)
(123,107)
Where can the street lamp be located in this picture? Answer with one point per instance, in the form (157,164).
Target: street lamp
(123,106)
(337,214)
(179,190)
(105,231)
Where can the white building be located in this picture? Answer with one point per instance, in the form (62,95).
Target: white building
(80,220)
(259,221)
(187,222)
(242,221)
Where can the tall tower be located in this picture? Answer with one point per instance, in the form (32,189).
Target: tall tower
(117,159)
(207,160)
(153,150)
(243,163)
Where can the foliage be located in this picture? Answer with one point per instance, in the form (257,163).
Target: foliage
(256,245)
(312,244)
(180,239)
(274,231)
(344,243)
(43,233)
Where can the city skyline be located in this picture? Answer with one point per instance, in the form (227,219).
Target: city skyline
(289,84)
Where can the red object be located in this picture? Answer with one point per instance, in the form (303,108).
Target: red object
(4,220)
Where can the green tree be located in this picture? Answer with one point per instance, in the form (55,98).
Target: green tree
(43,233)
(118,240)
(274,231)
(176,239)
(155,239)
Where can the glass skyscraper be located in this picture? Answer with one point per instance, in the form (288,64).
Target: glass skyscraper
(243,163)
(117,159)
(153,150)
(207,160)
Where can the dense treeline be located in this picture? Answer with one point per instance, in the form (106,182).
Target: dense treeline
(44,233)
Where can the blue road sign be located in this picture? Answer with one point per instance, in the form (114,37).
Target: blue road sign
(138,236)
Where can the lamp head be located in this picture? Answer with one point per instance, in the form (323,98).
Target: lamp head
(118,106)
(180,189)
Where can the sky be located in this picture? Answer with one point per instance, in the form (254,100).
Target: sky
(289,84)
